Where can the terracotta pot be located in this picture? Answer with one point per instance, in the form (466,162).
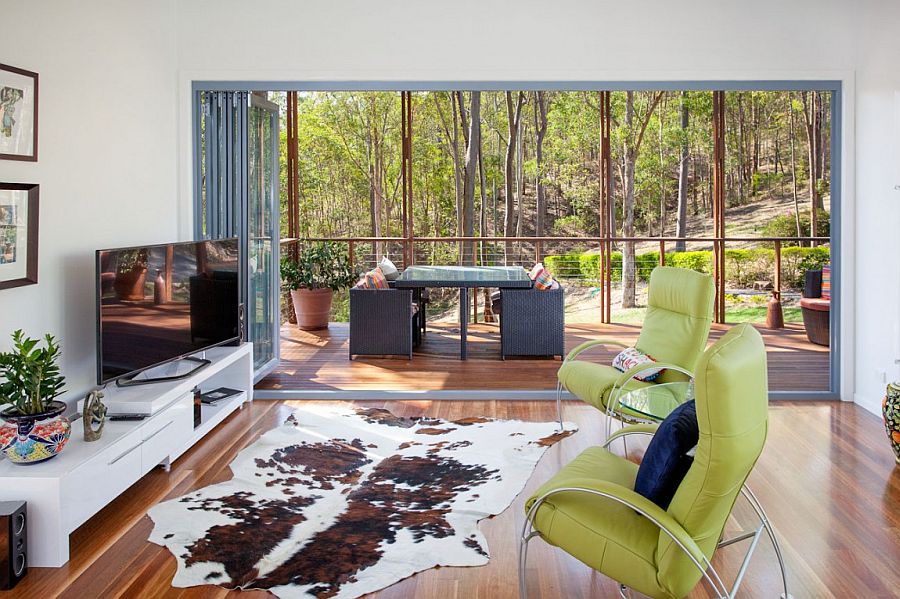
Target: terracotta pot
(891,409)
(33,438)
(313,308)
(129,285)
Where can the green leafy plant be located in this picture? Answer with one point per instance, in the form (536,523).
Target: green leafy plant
(32,379)
(318,266)
(132,260)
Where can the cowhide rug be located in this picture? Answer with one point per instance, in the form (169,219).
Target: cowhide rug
(340,502)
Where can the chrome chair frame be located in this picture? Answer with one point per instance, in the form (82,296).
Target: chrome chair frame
(703,565)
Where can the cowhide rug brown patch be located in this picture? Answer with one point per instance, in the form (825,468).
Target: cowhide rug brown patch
(339,502)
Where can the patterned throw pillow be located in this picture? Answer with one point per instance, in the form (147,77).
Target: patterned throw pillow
(542,278)
(826,282)
(631,357)
(374,279)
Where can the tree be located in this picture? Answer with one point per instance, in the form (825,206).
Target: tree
(540,130)
(473,144)
(634,136)
(514,115)
(681,218)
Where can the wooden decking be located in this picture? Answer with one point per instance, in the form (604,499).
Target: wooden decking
(318,361)
(827,478)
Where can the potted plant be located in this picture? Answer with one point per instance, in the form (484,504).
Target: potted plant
(33,428)
(317,272)
(130,275)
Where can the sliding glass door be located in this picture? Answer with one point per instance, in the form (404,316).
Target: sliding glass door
(236,194)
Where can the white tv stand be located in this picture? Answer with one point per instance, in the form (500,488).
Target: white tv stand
(65,491)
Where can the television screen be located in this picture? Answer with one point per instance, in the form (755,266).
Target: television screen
(159,303)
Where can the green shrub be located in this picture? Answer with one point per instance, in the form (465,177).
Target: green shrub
(742,266)
(701,261)
(785,225)
(589,266)
(795,261)
(565,266)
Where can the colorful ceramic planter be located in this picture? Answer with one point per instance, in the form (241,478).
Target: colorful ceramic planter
(891,409)
(33,438)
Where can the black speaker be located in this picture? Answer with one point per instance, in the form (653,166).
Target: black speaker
(13,545)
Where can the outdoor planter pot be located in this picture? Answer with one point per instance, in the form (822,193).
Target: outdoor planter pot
(312,307)
(33,438)
(129,285)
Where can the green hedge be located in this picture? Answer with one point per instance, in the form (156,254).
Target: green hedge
(742,267)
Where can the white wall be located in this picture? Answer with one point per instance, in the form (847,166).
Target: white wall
(106,163)
(132,56)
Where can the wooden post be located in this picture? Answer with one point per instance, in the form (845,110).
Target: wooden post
(778,268)
(538,250)
(662,252)
(606,233)
(774,311)
(406,177)
(719,203)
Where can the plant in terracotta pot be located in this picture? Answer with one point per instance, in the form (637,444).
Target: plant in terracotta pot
(130,275)
(312,278)
(33,428)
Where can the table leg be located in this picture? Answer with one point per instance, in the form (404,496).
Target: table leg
(463,320)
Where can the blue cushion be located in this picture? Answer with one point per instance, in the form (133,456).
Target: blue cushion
(666,461)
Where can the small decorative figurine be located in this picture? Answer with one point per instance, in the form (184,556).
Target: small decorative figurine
(94,412)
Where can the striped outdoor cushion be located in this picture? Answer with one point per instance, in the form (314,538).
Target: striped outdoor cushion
(544,281)
(374,279)
(826,282)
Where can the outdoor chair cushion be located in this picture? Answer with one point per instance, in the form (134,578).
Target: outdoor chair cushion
(666,460)
(374,279)
(815,303)
(604,534)
(826,282)
(389,269)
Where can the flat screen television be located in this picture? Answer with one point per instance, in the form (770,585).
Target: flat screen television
(161,303)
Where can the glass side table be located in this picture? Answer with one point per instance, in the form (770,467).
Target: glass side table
(654,402)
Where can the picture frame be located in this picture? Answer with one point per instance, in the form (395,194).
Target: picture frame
(18,114)
(19,211)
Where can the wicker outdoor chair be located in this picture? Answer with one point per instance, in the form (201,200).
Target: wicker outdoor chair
(532,322)
(816,310)
(383,322)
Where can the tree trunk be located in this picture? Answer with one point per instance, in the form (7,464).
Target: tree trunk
(741,166)
(513,113)
(681,219)
(794,170)
(474,141)
(520,179)
(628,278)
(809,118)
(633,138)
(540,128)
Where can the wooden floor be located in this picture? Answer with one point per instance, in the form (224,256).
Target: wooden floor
(318,361)
(827,478)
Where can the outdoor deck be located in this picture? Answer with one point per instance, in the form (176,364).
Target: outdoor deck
(318,361)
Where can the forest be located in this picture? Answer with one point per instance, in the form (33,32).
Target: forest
(527,163)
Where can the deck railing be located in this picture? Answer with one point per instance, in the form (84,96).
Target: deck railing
(604,271)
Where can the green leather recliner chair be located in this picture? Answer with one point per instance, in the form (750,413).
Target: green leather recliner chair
(589,508)
(674,333)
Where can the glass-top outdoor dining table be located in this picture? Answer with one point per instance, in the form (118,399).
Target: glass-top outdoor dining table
(464,278)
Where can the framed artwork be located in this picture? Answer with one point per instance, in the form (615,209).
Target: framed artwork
(18,114)
(18,234)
